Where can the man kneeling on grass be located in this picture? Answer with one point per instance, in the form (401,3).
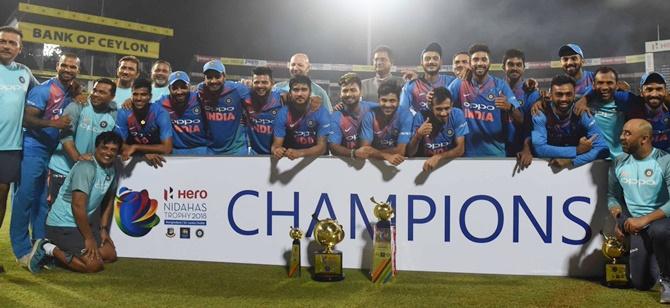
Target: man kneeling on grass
(76,238)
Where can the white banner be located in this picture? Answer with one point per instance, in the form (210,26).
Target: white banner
(470,216)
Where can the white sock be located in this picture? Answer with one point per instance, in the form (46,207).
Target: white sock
(49,249)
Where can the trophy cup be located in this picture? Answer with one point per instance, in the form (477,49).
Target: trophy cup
(383,257)
(294,265)
(328,263)
(616,274)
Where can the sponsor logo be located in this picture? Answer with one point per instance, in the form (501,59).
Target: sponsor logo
(135,212)
(184,193)
(170,233)
(477,106)
(10,88)
(185,233)
(631,181)
(186,121)
(199,233)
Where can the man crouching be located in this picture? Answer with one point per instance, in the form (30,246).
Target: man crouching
(76,238)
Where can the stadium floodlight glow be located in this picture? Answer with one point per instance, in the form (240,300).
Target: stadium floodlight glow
(51,50)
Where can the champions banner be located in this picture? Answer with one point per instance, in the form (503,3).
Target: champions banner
(88,40)
(470,215)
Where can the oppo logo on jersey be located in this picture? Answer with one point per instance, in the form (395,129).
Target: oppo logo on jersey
(433,146)
(630,181)
(476,106)
(219,109)
(387,142)
(262,121)
(16,88)
(185,121)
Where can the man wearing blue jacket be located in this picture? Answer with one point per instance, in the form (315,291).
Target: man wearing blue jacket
(569,140)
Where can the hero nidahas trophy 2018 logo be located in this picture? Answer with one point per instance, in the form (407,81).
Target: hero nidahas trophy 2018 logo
(135,212)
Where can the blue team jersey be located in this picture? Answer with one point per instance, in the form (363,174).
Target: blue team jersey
(518,134)
(188,127)
(51,98)
(15,81)
(382,136)
(302,132)
(585,83)
(660,123)
(261,122)
(558,138)
(643,186)
(443,136)
(224,112)
(633,106)
(489,126)
(86,125)
(155,130)
(346,128)
(413,94)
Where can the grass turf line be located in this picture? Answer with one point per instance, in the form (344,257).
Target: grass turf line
(149,283)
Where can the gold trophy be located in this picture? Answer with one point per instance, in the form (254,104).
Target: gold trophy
(616,273)
(294,265)
(383,257)
(328,263)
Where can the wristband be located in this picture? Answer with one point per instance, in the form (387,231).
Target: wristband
(352,154)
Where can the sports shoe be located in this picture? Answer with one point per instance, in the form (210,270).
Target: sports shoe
(665,291)
(23,261)
(49,263)
(37,255)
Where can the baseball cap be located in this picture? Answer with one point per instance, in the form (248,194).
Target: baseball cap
(214,65)
(178,75)
(652,77)
(570,49)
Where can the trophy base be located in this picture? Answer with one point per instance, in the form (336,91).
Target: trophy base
(616,275)
(328,266)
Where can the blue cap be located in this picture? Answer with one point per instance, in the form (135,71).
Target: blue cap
(570,49)
(652,77)
(178,75)
(214,65)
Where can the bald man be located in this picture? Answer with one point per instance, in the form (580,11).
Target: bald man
(299,66)
(639,198)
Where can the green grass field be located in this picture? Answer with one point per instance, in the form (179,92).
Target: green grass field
(151,283)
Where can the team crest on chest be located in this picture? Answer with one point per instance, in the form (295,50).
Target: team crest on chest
(648,172)
(450,132)
(196,110)
(229,100)
(274,112)
(22,80)
(103,124)
(490,96)
(311,123)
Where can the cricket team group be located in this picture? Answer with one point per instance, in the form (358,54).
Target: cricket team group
(59,143)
